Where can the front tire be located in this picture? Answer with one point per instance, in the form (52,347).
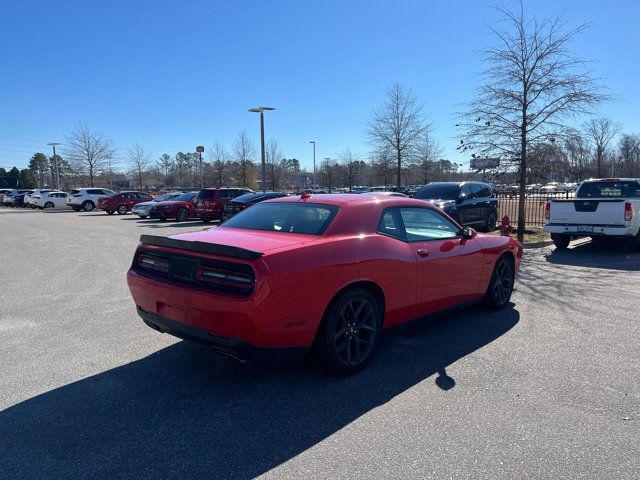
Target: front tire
(560,240)
(122,210)
(88,206)
(501,285)
(350,332)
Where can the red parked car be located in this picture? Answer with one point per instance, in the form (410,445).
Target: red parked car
(210,202)
(182,208)
(327,271)
(122,202)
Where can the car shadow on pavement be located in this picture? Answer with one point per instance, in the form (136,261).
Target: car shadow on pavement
(184,412)
(614,256)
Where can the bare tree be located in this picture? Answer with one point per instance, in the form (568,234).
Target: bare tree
(352,166)
(165,165)
(577,150)
(532,83)
(426,151)
(398,124)
(329,171)
(277,166)
(88,151)
(219,159)
(382,163)
(244,154)
(629,153)
(600,132)
(139,161)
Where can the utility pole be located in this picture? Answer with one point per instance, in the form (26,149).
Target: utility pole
(314,162)
(261,111)
(55,164)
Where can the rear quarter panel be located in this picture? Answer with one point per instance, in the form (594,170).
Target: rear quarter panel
(307,278)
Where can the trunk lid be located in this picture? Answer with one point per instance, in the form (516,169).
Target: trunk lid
(588,211)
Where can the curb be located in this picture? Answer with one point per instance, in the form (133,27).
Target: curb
(543,243)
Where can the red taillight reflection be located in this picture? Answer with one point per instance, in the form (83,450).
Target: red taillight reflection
(628,212)
(153,263)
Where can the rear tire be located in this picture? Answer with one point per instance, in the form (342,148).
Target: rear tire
(350,331)
(501,285)
(182,215)
(560,240)
(88,206)
(490,224)
(142,216)
(48,205)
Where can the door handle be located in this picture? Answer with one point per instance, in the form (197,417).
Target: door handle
(423,252)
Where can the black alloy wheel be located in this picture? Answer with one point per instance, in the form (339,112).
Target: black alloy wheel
(490,225)
(501,285)
(350,332)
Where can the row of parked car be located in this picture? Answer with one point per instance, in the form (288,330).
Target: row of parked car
(207,204)
(468,203)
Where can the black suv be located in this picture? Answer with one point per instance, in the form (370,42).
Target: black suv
(469,203)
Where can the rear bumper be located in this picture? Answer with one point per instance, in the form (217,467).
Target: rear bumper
(231,347)
(604,230)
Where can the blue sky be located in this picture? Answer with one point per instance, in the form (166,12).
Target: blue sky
(173,75)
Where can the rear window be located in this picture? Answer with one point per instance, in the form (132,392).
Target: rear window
(74,192)
(609,190)
(166,196)
(206,194)
(310,219)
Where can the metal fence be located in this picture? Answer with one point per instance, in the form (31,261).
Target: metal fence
(534,204)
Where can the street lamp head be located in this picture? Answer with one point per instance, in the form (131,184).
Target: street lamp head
(53,143)
(312,141)
(261,109)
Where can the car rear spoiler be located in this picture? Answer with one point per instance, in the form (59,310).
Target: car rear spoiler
(202,247)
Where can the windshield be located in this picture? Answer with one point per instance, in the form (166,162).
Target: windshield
(166,196)
(444,191)
(609,190)
(310,219)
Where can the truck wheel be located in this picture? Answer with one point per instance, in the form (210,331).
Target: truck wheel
(560,240)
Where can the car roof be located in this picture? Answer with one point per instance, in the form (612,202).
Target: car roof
(350,199)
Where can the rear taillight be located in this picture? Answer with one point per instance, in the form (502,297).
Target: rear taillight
(628,212)
(224,277)
(547,211)
(156,264)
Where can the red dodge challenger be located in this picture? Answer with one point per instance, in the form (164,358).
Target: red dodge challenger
(322,272)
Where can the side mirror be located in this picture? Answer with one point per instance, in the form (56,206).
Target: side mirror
(468,233)
(460,199)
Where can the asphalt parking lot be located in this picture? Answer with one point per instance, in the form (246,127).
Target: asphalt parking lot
(548,388)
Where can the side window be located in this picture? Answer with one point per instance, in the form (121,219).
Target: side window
(226,194)
(476,190)
(466,192)
(388,224)
(422,224)
(94,192)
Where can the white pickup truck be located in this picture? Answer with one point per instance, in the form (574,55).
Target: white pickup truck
(602,208)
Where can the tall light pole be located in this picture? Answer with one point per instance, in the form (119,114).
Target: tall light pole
(328,173)
(261,111)
(314,162)
(200,149)
(55,164)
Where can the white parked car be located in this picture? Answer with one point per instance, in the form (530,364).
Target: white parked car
(30,197)
(86,198)
(602,208)
(142,209)
(553,187)
(53,199)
